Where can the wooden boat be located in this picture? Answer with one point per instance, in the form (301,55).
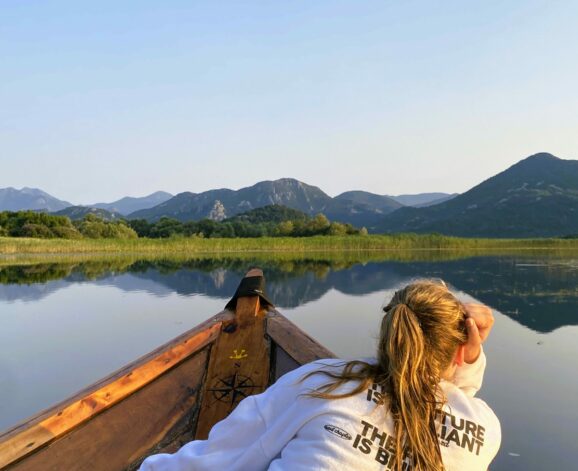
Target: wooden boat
(170,396)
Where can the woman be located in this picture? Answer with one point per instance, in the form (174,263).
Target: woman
(411,408)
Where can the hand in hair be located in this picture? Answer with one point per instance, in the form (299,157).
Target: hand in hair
(479,324)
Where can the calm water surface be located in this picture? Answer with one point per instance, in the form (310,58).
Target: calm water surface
(65,325)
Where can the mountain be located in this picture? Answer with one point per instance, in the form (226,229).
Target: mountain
(130,204)
(12,199)
(360,208)
(78,212)
(355,207)
(423,199)
(225,203)
(385,204)
(537,197)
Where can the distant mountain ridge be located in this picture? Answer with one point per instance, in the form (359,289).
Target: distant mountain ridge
(130,204)
(224,203)
(536,197)
(423,199)
(12,199)
(382,203)
(359,208)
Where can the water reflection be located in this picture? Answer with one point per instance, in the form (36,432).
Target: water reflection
(65,324)
(540,293)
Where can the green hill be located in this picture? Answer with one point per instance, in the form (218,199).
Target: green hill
(537,197)
(269,214)
(79,212)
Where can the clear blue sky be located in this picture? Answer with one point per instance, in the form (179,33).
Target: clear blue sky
(99,100)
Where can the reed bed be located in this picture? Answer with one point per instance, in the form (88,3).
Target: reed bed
(198,245)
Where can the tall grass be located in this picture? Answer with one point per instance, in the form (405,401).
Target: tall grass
(273,244)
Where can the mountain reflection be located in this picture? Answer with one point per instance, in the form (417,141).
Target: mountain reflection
(540,293)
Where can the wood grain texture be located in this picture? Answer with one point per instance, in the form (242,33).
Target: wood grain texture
(153,417)
(238,367)
(296,343)
(61,419)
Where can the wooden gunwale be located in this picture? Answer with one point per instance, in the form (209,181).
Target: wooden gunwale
(294,341)
(42,429)
(253,342)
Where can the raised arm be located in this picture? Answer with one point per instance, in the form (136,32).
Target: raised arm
(469,376)
(479,323)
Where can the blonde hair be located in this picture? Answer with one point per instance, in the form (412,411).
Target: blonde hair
(422,327)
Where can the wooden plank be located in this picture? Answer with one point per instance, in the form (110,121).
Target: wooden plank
(239,364)
(57,421)
(296,343)
(281,363)
(223,316)
(160,414)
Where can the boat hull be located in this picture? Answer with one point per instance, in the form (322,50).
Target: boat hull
(166,398)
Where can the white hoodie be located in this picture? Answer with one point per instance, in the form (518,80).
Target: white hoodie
(282,429)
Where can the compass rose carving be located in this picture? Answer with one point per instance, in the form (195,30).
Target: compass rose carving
(233,388)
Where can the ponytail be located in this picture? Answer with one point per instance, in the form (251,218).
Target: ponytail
(420,332)
(412,388)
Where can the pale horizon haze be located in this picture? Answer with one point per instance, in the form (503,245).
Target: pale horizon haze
(108,99)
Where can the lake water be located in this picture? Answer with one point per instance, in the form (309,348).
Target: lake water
(65,324)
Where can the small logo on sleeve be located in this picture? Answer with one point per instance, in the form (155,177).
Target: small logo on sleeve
(338,432)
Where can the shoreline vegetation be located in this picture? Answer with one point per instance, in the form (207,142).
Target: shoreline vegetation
(40,267)
(268,230)
(349,243)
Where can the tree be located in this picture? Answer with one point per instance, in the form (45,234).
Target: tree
(317,226)
(141,226)
(66,232)
(36,230)
(285,228)
(191,228)
(94,227)
(224,230)
(337,229)
(207,227)
(123,231)
(166,227)
(35,224)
